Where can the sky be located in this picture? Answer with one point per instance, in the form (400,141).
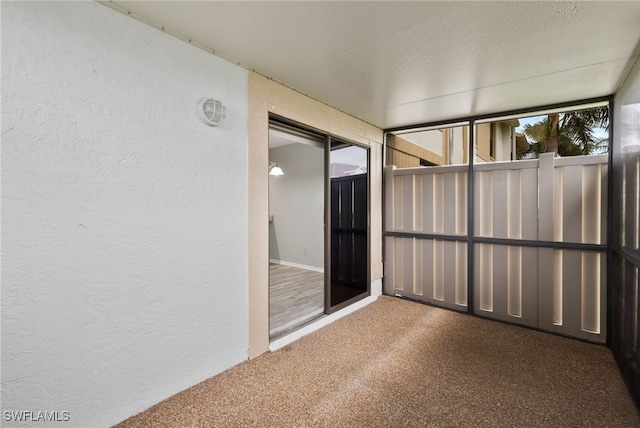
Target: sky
(528,120)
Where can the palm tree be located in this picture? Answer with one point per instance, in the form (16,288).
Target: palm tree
(570,133)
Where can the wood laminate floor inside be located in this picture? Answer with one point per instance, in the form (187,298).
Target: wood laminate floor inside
(296,296)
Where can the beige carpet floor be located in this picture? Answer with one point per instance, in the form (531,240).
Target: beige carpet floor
(397,363)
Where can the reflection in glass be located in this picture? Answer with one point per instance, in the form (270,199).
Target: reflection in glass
(349,194)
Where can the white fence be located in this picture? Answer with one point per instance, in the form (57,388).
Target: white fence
(539,240)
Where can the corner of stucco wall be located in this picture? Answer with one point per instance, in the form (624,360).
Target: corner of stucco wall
(267,96)
(258,158)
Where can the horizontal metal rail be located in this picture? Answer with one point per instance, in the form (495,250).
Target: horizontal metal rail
(436,236)
(499,241)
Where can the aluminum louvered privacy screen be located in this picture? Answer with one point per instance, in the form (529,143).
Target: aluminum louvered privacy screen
(538,242)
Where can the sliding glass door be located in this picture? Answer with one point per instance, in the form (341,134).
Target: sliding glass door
(318,225)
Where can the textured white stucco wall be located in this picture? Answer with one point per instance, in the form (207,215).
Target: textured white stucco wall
(124,218)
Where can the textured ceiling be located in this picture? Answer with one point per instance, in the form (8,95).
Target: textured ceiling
(400,63)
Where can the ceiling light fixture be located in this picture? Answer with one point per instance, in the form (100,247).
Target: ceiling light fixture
(274,169)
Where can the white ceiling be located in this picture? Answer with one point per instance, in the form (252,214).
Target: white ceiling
(399,63)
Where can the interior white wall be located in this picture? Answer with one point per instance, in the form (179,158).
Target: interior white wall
(124,217)
(296,202)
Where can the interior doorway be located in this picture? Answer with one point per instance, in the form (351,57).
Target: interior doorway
(318,225)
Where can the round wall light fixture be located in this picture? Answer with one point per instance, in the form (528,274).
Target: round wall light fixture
(211,111)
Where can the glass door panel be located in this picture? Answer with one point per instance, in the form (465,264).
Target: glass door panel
(296,230)
(349,190)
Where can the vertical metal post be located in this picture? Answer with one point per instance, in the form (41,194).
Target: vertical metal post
(514,149)
(389,242)
(327,226)
(470,218)
(369,151)
(610,189)
(384,199)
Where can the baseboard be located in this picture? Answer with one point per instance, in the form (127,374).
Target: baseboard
(296,265)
